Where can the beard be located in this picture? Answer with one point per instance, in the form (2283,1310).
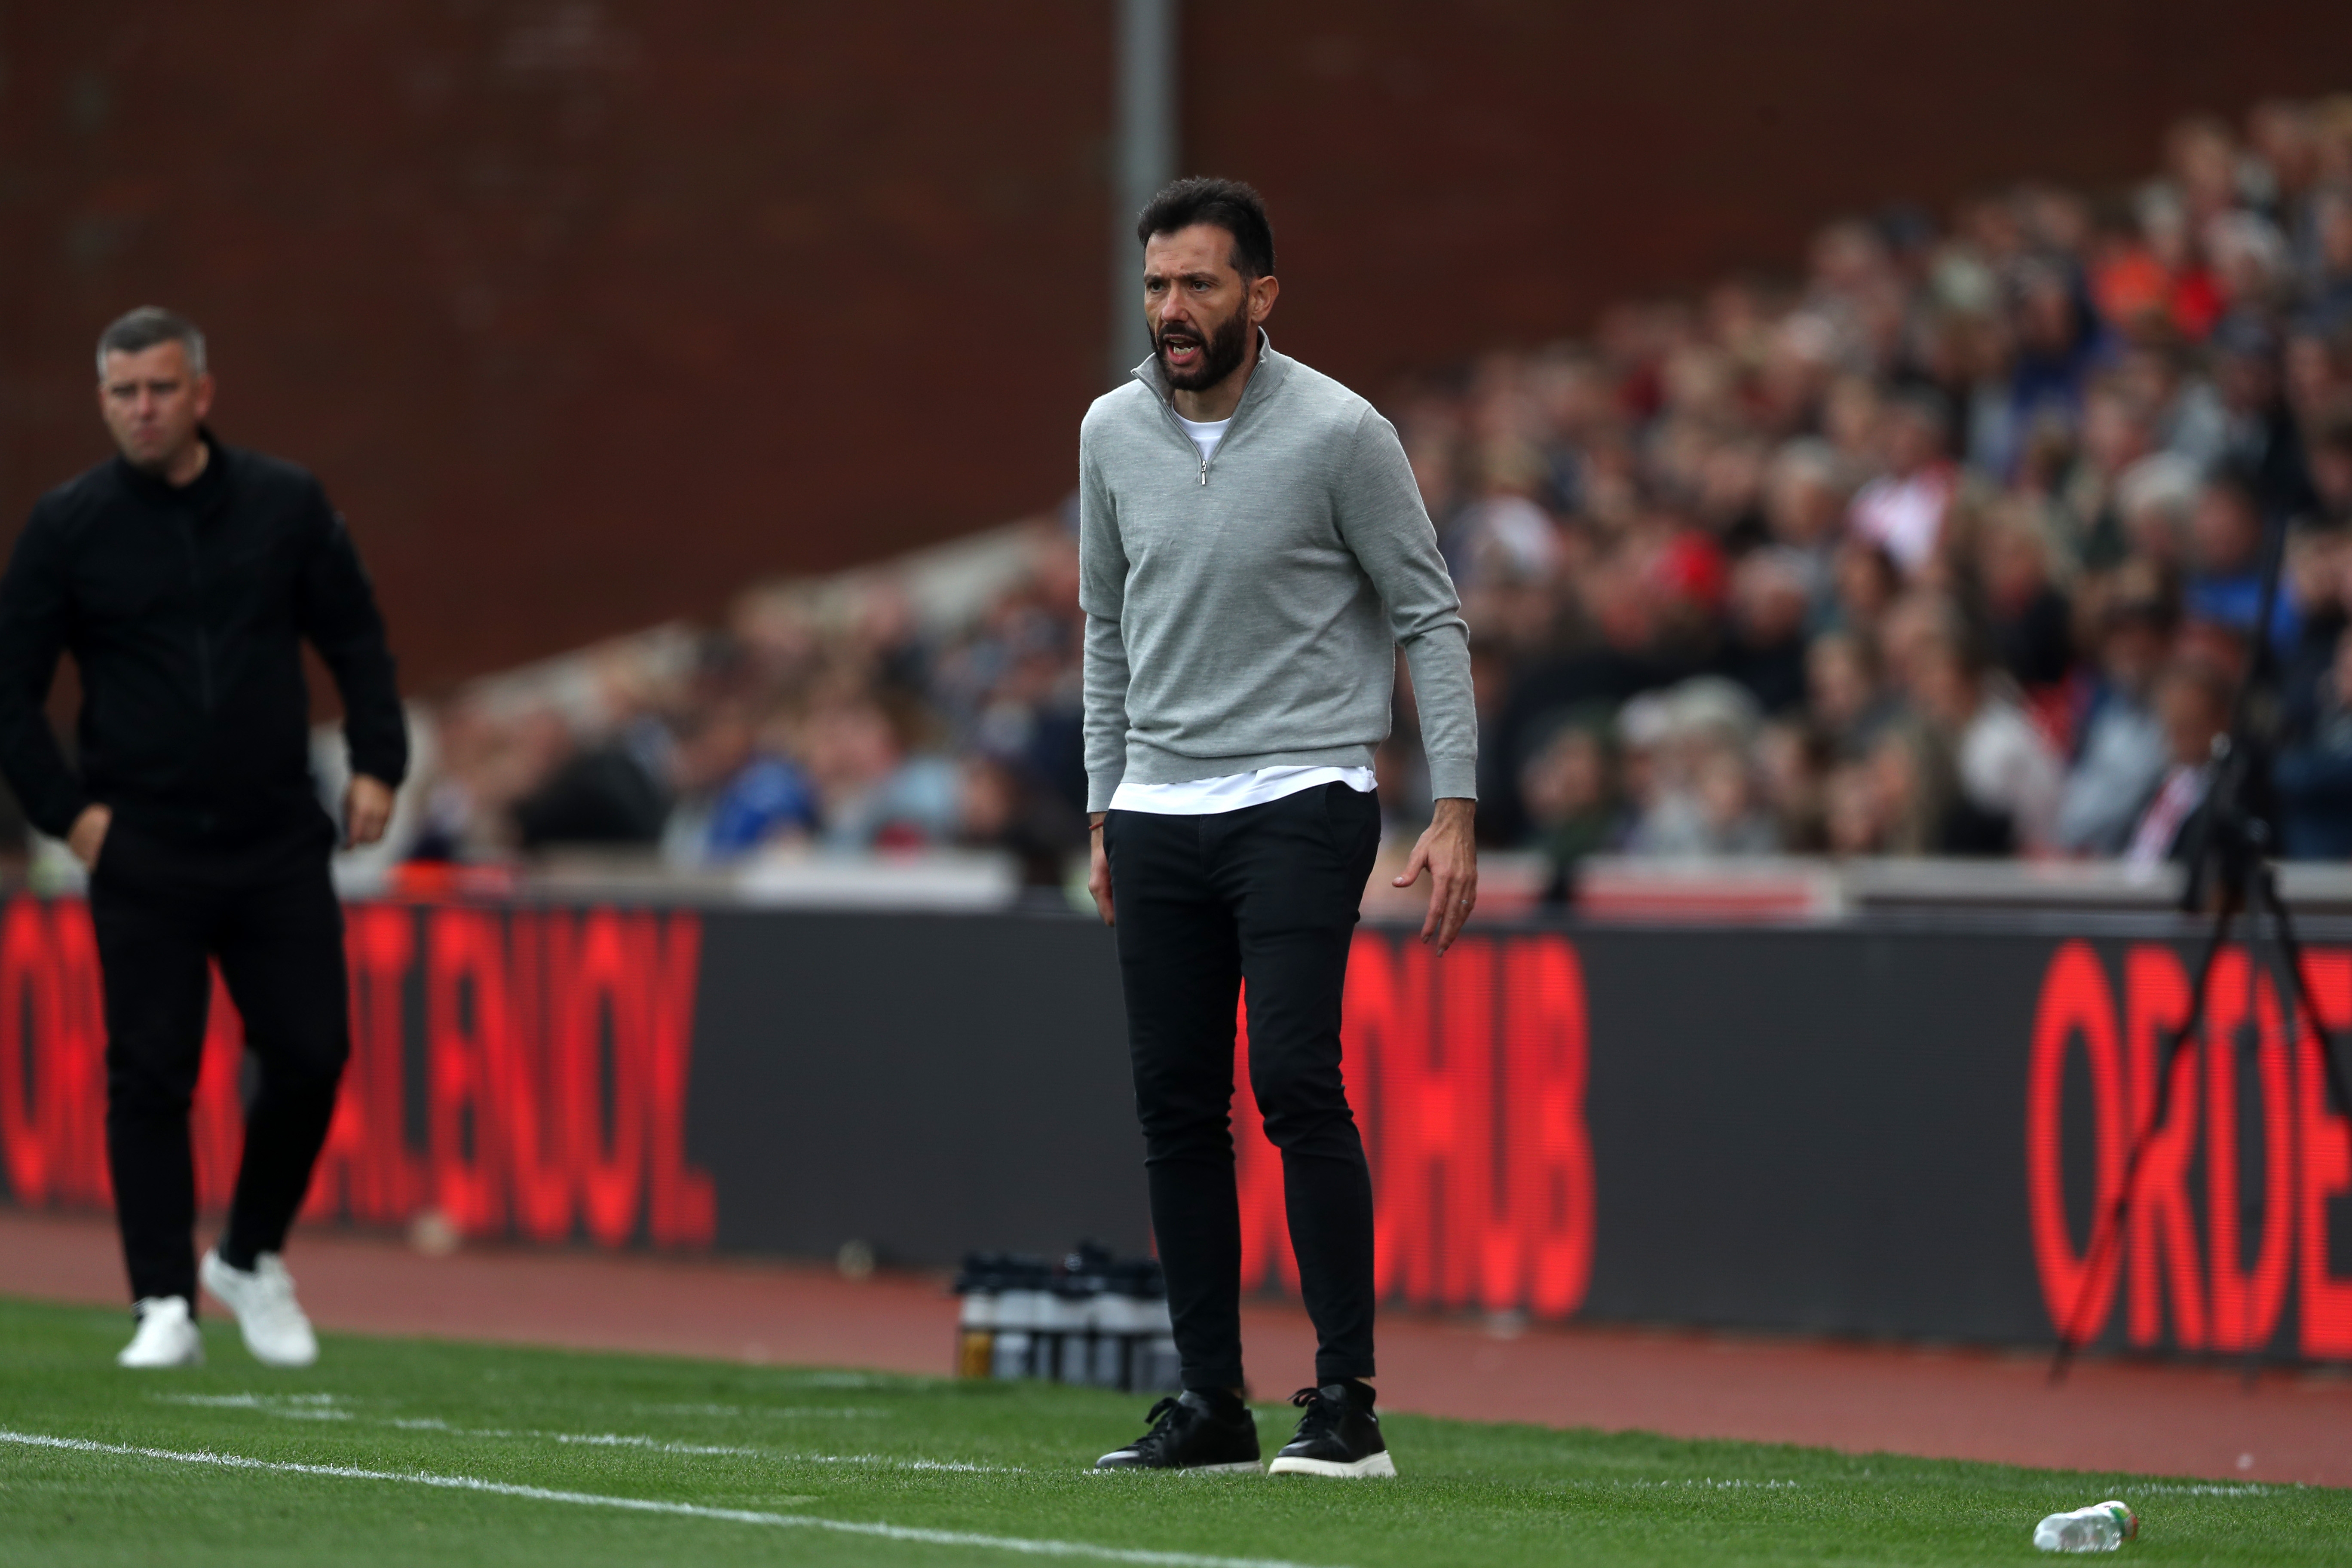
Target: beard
(1220,357)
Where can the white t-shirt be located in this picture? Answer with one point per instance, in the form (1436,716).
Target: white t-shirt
(1205,437)
(1231,792)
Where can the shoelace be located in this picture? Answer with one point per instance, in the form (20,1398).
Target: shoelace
(1321,1416)
(1157,1425)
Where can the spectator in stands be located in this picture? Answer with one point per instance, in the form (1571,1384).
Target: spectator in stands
(2327,283)
(2033,633)
(2331,467)
(1766,652)
(1850,817)
(1804,509)
(1571,790)
(765,799)
(1848,704)
(2193,702)
(2263,447)
(875,794)
(2058,339)
(2224,587)
(2006,768)
(1504,535)
(1792,765)
(2184,411)
(2313,377)
(2313,578)
(2154,501)
(1903,509)
(2314,775)
(1915,804)
(2125,751)
(1003,805)
(1705,802)
(1868,583)
(616,794)
(2116,433)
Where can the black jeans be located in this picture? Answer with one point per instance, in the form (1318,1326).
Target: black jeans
(1267,894)
(269,914)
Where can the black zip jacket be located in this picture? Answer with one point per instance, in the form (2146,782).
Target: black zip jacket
(185,610)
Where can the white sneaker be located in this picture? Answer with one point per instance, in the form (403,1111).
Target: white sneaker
(275,1329)
(167,1336)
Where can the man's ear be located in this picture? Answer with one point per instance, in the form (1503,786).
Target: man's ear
(1263,292)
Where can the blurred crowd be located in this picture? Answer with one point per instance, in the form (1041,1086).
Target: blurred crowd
(1950,546)
(844,721)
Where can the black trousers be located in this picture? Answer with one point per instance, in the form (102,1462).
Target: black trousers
(1267,894)
(269,914)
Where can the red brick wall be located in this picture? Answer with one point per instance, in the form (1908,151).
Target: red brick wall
(589,311)
(1448,177)
(585,312)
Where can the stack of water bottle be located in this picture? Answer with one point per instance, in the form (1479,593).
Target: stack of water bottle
(1091,1318)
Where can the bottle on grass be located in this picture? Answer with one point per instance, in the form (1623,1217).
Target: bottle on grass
(2102,1527)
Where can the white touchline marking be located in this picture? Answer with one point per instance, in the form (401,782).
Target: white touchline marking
(276,1404)
(957,1465)
(291,1407)
(627,1440)
(1711,1484)
(1035,1548)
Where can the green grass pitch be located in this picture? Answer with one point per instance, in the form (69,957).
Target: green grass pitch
(549,1457)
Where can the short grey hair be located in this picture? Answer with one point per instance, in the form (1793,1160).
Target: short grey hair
(135,331)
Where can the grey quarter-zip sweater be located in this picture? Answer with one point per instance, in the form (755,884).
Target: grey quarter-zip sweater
(1245,611)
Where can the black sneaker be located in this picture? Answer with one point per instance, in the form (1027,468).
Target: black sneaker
(1337,1435)
(1187,1434)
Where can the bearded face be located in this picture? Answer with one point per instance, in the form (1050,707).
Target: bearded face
(1192,365)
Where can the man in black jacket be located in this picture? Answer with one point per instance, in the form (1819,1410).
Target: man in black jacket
(182,576)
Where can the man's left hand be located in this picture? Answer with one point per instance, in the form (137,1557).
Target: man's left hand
(367,810)
(1449,849)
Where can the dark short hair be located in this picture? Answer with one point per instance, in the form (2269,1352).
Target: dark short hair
(135,331)
(1229,204)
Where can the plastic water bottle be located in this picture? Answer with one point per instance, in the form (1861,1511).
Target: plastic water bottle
(1122,1318)
(2102,1527)
(976,1326)
(1020,1311)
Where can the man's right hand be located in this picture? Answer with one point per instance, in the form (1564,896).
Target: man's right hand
(1099,870)
(88,834)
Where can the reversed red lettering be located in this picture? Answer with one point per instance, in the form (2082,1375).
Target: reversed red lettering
(2325,1307)
(1551,1191)
(2155,1002)
(2245,1301)
(2076,1003)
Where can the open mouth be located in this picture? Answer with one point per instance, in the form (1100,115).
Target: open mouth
(1180,351)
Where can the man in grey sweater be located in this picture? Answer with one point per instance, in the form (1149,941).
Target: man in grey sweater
(1252,552)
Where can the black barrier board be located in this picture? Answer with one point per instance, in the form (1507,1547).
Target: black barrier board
(1850,1130)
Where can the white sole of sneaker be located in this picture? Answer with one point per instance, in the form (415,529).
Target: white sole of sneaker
(1377,1464)
(1244,1468)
